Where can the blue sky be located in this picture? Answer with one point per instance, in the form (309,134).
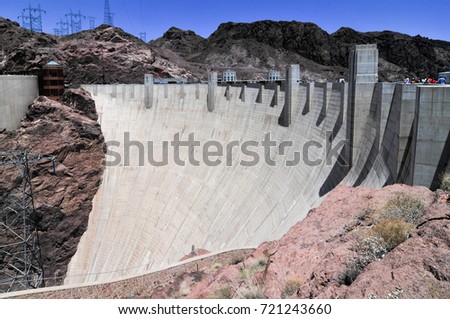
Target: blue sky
(427,18)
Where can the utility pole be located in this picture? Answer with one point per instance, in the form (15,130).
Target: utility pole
(75,21)
(20,253)
(32,18)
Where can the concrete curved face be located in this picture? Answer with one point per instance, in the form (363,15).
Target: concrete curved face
(146,217)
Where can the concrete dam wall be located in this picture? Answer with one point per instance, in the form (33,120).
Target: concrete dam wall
(16,93)
(260,156)
(146,216)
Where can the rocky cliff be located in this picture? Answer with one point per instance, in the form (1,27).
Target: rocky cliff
(63,201)
(110,55)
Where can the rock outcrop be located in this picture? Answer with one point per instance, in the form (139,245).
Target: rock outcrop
(110,55)
(21,50)
(63,201)
(334,253)
(102,55)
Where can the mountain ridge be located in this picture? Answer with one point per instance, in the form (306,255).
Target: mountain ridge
(401,55)
(111,55)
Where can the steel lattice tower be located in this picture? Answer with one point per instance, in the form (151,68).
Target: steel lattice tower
(91,22)
(143,36)
(63,27)
(75,21)
(20,253)
(108,14)
(32,18)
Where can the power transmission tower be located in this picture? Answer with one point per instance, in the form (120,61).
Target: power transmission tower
(91,22)
(143,36)
(75,21)
(32,18)
(108,14)
(24,20)
(57,32)
(20,253)
(63,27)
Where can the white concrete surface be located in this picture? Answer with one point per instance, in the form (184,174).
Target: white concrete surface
(16,94)
(148,217)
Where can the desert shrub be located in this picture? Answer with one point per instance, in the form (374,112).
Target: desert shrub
(251,292)
(352,270)
(445,181)
(395,294)
(371,248)
(216,266)
(404,207)
(291,287)
(392,227)
(392,232)
(254,267)
(223,293)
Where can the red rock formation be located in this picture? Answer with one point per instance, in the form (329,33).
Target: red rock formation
(62,201)
(314,258)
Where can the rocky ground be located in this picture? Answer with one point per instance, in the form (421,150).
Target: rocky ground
(110,55)
(350,247)
(63,201)
(360,243)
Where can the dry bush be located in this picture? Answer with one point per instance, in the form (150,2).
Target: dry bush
(393,226)
(445,181)
(404,207)
(251,292)
(353,269)
(370,248)
(291,287)
(392,232)
(225,292)
(255,266)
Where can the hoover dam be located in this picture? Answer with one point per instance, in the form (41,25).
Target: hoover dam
(264,155)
